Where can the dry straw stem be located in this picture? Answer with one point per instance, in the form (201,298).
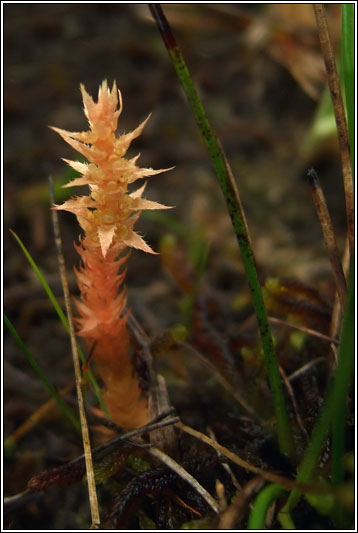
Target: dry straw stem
(337,311)
(268,476)
(303,369)
(180,471)
(309,331)
(328,235)
(109,446)
(339,114)
(76,363)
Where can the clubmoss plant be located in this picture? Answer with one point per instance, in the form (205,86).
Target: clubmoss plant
(107,216)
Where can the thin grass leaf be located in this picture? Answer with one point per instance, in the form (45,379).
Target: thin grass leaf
(62,317)
(347,51)
(310,459)
(231,195)
(67,411)
(43,282)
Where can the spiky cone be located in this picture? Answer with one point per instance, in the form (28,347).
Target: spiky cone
(107,216)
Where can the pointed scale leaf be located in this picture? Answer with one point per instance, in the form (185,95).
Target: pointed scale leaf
(141,203)
(105,235)
(77,165)
(78,182)
(138,193)
(77,203)
(135,241)
(93,154)
(146,172)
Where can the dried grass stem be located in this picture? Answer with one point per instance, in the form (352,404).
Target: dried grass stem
(339,114)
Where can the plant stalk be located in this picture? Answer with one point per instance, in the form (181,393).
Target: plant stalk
(231,195)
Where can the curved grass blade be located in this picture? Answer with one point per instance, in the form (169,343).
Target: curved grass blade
(231,195)
(62,317)
(67,411)
(260,507)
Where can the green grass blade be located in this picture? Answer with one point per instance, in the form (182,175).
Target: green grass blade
(310,459)
(230,193)
(62,317)
(43,282)
(347,51)
(67,411)
(333,409)
(263,501)
(344,375)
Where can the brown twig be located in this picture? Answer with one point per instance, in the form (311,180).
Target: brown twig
(294,403)
(328,235)
(309,331)
(77,368)
(339,114)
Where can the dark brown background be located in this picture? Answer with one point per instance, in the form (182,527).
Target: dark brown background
(254,66)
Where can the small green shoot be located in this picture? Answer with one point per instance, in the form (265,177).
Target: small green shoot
(67,411)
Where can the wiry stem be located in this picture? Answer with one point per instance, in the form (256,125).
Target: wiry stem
(76,363)
(231,195)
